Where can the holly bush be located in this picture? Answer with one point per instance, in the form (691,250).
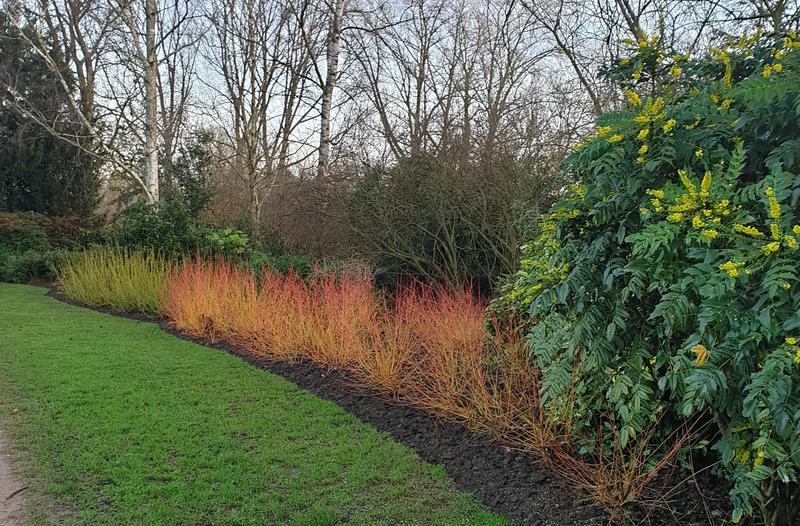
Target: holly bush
(665,289)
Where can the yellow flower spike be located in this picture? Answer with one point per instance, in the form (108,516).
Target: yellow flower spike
(714,98)
(657,105)
(687,183)
(676,217)
(701,354)
(775,231)
(771,248)
(791,242)
(767,71)
(705,185)
(615,138)
(644,211)
(722,57)
(742,456)
(796,229)
(791,341)
(604,130)
(732,268)
(667,127)
(698,153)
(710,233)
(641,160)
(786,285)
(658,194)
(797,356)
(643,134)
(777,68)
(774,206)
(675,71)
(726,104)
(697,222)
(748,230)
(657,205)
(633,97)
(643,149)
(707,212)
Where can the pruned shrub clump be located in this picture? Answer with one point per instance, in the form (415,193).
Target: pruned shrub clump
(428,347)
(669,291)
(130,280)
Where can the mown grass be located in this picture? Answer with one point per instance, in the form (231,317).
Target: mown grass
(122,279)
(125,424)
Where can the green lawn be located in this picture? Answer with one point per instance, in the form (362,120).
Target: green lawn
(128,425)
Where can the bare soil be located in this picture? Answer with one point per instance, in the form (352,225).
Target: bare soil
(12,490)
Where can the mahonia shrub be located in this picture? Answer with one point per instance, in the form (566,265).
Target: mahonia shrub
(665,290)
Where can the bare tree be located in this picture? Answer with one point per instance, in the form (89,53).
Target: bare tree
(262,85)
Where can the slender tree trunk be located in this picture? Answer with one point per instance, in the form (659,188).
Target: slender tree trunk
(333,46)
(151,109)
(255,208)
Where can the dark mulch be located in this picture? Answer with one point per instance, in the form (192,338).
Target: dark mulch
(509,482)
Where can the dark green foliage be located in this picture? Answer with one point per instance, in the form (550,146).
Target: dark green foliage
(18,234)
(681,294)
(31,264)
(171,229)
(31,244)
(39,171)
(188,178)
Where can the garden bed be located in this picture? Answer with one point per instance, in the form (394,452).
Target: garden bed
(507,481)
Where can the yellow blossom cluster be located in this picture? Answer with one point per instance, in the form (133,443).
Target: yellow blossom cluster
(701,354)
(695,203)
(793,342)
(778,238)
(732,268)
(748,230)
(652,111)
(633,97)
(721,56)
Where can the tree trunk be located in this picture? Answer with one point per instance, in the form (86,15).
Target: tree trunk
(333,46)
(255,210)
(151,108)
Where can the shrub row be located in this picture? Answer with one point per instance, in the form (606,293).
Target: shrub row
(426,346)
(128,280)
